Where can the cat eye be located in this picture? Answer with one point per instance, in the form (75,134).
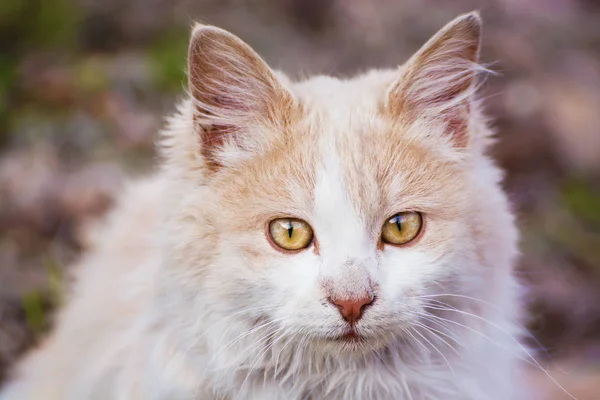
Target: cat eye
(290,233)
(402,228)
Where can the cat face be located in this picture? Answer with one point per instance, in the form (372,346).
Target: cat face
(306,188)
(342,183)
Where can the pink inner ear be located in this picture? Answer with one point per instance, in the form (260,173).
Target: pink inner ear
(212,138)
(457,117)
(224,101)
(458,126)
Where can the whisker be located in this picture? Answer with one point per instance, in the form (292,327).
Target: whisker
(418,341)
(437,333)
(436,349)
(523,348)
(241,337)
(206,331)
(495,308)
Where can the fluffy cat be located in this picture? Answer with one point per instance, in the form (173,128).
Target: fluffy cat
(323,239)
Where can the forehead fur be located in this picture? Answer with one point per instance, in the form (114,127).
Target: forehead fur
(386,164)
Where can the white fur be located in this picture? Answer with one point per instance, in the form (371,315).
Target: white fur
(177,302)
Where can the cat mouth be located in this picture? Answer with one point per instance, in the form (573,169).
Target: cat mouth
(351,337)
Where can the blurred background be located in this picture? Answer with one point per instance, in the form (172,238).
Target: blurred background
(85,84)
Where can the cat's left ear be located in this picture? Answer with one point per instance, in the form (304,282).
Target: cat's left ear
(238,99)
(438,82)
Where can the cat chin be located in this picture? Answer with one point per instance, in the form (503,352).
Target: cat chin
(352,344)
(351,350)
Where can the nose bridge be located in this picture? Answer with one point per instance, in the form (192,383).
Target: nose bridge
(349,280)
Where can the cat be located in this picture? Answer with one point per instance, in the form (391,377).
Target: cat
(322,239)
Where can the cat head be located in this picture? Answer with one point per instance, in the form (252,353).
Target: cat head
(333,208)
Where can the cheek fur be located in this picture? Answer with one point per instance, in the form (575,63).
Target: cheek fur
(438,263)
(295,289)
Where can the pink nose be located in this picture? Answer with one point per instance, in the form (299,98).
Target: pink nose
(352,310)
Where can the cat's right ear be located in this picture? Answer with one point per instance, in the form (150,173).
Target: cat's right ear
(438,82)
(237,98)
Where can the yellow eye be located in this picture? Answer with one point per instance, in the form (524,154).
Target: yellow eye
(290,233)
(402,228)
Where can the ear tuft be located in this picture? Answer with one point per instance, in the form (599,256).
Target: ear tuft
(439,80)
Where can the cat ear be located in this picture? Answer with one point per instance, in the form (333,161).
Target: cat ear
(236,95)
(439,80)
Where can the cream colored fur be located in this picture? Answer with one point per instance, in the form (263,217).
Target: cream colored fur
(183,297)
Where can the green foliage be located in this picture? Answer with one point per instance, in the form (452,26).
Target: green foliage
(55,280)
(582,200)
(167,57)
(39,24)
(11,12)
(582,232)
(26,26)
(36,304)
(56,23)
(35,314)
(90,76)
(8,72)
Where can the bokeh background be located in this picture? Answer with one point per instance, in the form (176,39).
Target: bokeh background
(85,84)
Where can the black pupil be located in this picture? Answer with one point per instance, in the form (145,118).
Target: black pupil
(398,221)
(290,229)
